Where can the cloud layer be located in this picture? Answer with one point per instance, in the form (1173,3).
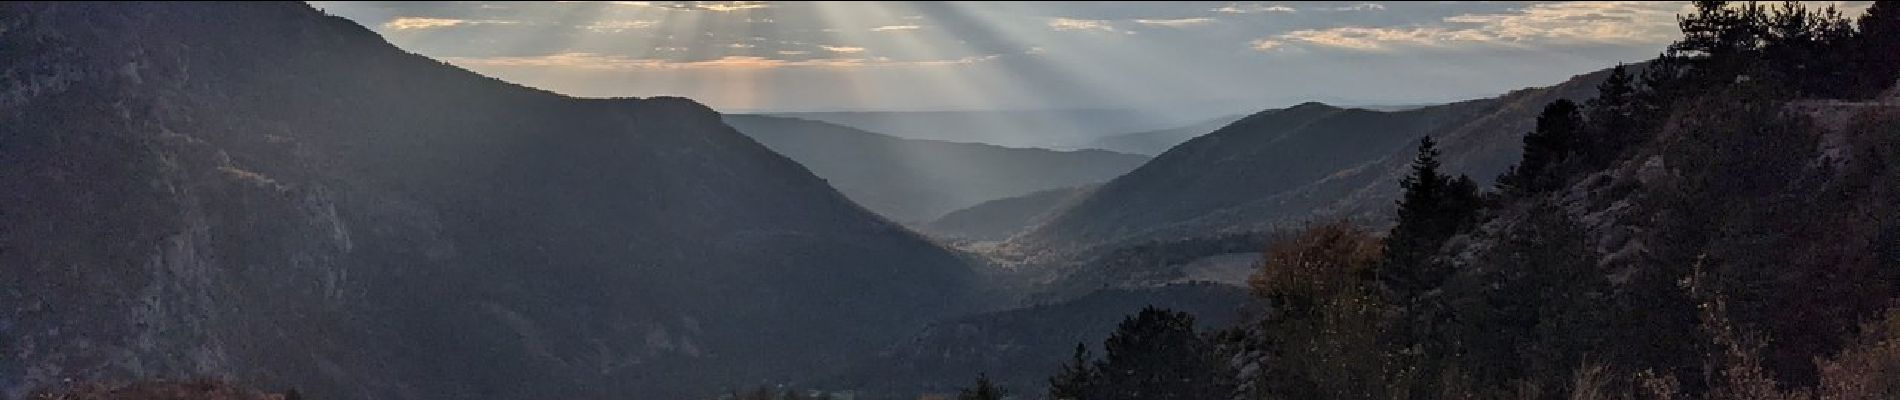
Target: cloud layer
(1039,54)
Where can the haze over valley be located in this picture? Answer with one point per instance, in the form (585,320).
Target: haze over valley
(923,200)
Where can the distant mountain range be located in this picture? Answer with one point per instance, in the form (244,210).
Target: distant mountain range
(1282,168)
(263,192)
(1050,129)
(1200,211)
(915,181)
(1159,141)
(997,220)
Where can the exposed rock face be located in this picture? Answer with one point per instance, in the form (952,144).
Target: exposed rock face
(266,193)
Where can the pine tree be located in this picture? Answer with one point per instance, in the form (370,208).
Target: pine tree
(1661,85)
(1878,42)
(1077,378)
(1612,123)
(1839,55)
(1532,309)
(1719,41)
(1433,208)
(1157,355)
(983,390)
(1556,140)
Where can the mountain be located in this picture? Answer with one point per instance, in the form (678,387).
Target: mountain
(997,220)
(1282,168)
(1019,348)
(269,194)
(914,181)
(1053,129)
(1158,141)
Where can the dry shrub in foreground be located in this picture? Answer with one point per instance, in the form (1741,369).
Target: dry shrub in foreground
(1867,368)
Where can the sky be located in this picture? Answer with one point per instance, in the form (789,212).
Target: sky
(1212,57)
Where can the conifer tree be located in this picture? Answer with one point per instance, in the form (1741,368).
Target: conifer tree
(1878,43)
(1076,379)
(1434,207)
(983,390)
(1535,301)
(1612,126)
(1556,140)
(1157,355)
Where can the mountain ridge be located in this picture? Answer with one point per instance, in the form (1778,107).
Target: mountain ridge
(266,193)
(1281,168)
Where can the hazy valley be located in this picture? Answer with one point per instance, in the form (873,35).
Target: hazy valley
(272,201)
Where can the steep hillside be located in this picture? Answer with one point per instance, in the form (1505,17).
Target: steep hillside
(262,192)
(1281,168)
(1723,225)
(915,181)
(997,220)
(1801,247)
(1159,141)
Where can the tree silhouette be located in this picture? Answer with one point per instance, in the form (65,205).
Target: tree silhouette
(1077,377)
(1157,355)
(1434,207)
(1557,139)
(1612,124)
(982,390)
(1878,47)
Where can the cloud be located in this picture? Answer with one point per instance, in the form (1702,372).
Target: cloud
(413,23)
(842,49)
(887,28)
(793,52)
(619,25)
(1357,7)
(1375,39)
(1250,8)
(730,6)
(595,61)
(1576,22)
(1175,23)
(1567,23)
(741,45)
(1071,24)
(1267,44)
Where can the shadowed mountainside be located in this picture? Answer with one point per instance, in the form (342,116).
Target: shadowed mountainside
(263,192)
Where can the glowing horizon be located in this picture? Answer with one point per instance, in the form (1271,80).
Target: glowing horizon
(1160,57)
